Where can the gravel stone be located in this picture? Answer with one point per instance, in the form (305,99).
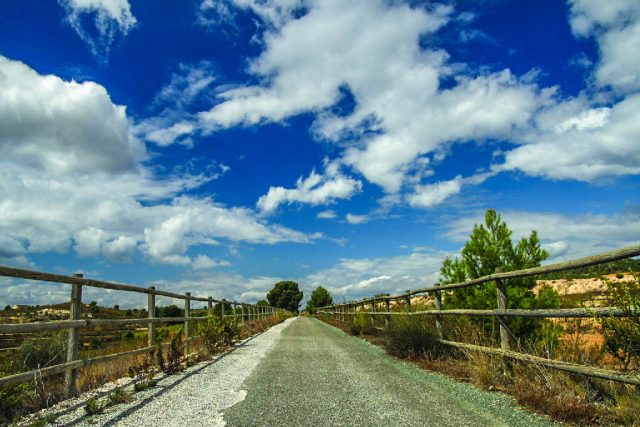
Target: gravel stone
(195,397)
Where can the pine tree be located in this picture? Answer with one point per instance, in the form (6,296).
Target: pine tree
(489,250)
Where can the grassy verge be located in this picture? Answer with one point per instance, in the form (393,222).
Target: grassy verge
(211,338)
(572,399)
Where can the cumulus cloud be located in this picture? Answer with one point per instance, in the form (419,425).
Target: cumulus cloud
(590,137)
(314,190)
(56,126)
(426,196)
(403,118)
(356,278)
(573,140)
(616,28)
(203,262)
(356,219)
(329,214)
(215,283)
(110,19)
(71,176)
(564,236)
(401,112)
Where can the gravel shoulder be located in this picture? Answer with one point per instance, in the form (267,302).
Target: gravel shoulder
(196,397)
(318,375)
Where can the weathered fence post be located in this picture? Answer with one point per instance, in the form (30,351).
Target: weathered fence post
(504,331)
(241,314)
(75,309)
(209,306)
(373,312)
(388,316)
(151,313)
(438,299)
(407,303)
(187,314)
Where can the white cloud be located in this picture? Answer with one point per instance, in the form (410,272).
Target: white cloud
(274,13)
(77,130)
(121,248)
(329,214)
(356,219)
(579,138)
(169,135)
(71,176)
(110,18)
(357,278)
(173,122)
(565,237)
(395,83)
(572,140)
(426,196)
(203,262)
(314,190)
(217,284)
(616,27)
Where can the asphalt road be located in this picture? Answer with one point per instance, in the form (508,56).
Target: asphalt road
(317,375)
(304,372)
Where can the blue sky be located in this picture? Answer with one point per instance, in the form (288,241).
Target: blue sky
(219,146)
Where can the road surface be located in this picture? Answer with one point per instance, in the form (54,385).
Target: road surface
(305,372)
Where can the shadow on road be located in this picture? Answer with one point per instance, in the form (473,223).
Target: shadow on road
(158,389)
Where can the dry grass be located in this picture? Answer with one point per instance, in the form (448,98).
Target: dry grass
(572,399)
(50,390)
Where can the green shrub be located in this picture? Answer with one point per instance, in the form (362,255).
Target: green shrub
(409,336)
(128,336)
(362,324)
(218,332)
(37,353)
(119,396)
(622,334)
(93,407)
(173,363)
(619,275)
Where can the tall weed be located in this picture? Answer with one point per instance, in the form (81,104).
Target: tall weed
(411,336)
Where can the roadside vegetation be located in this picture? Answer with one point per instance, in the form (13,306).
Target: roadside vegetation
(211,337)
(598,341)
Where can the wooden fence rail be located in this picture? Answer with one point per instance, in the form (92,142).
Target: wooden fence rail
(502,313)
(250,312)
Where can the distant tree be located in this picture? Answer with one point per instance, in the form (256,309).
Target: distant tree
(488,250)
(286,295)
(263,302)
(116,307)
(217,309)
(7,308)
(93,307)
(169,311)
(320,297)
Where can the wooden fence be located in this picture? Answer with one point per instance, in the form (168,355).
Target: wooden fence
(341,311)
(248,312)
